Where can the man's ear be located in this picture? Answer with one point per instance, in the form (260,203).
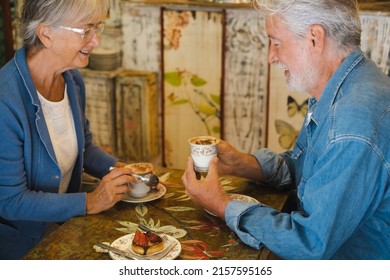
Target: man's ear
(317,36)
(44,33)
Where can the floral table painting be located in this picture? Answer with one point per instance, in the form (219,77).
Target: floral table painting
(202,236)
(175,220)
(192,58)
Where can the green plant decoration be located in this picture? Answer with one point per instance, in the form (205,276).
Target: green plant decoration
(205,105)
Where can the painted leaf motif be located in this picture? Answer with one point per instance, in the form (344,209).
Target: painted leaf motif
(180,101)
(141,209)
(179,209)
(152,225)
(173,231)
(129,227)
(216,98)
(224,181)
(198,250)
(127,224)
(183,197)
(169,195)
(206,109)
(216,129)
(165,177)
(125,230)
(196,81)
(173,78)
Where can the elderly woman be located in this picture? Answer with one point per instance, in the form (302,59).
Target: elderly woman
(46,142)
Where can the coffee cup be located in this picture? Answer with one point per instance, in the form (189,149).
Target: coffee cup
(139,188)
(203,149)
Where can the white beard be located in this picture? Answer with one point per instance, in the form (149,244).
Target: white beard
(304,79)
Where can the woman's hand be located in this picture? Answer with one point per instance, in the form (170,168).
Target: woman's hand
(111,189)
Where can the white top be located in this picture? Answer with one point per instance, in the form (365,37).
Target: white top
(59,120)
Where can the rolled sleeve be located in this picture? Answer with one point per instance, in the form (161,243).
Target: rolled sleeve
(233,221)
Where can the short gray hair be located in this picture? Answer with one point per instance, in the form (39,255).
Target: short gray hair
(57,12)
(339,18)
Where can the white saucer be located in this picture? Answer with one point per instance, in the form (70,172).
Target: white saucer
(152,195)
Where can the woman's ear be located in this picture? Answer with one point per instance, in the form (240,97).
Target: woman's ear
(44,33)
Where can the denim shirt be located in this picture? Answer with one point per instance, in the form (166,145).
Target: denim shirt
(340,166)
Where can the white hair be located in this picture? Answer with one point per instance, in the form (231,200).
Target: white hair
(57,12)
(339,18)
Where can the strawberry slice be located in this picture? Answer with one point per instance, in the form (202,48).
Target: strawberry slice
(140,239)
(153,238)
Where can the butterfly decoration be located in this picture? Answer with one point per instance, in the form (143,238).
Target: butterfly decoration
(293,107)
(287,134)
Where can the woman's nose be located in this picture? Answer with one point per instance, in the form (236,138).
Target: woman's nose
(95,40)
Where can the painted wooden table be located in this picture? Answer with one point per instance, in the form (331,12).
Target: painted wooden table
(201,235)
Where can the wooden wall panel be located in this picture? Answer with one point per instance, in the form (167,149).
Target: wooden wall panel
(100,105)
(246,76)
(141,30)
(137,126)
(376,39)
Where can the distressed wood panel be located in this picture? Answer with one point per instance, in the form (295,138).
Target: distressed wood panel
(141,30)
(100,106)
(192,79)
(137,123)
(115,13)
(246,75)
(376,39)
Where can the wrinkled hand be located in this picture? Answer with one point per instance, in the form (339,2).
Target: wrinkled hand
(233,162)
(229,158)
(207,192)
(111,189)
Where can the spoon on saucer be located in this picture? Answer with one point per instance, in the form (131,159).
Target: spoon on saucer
(149,179)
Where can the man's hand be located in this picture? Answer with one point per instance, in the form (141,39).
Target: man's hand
(207,192)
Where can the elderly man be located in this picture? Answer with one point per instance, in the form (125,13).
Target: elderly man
(340,164)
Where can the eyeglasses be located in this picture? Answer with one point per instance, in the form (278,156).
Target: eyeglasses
(86,33)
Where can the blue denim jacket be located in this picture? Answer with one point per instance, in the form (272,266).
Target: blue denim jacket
(29,173)
(340,166)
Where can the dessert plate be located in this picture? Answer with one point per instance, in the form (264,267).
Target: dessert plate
(124,243)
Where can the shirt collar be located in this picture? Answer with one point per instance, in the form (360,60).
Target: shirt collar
(329,96)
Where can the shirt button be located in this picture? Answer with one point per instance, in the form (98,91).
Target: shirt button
(56,177)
